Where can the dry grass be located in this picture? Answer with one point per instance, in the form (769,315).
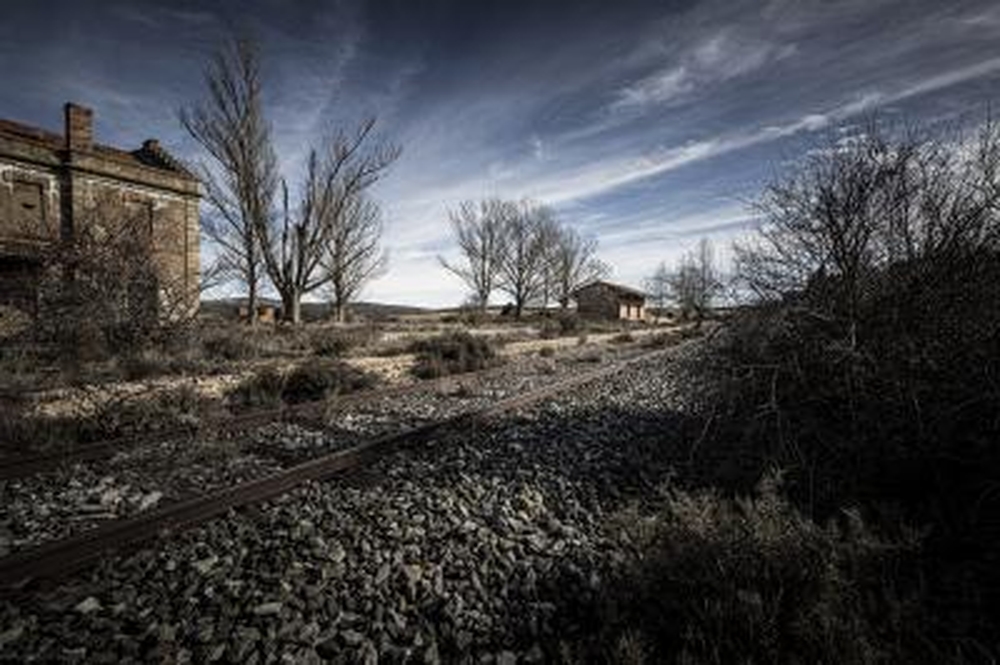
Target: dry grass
(302,383)
(751,580)
(454,353)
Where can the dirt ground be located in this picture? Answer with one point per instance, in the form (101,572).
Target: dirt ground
(395,369)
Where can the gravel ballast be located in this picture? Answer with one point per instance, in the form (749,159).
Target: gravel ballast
(480,546)
(77,497)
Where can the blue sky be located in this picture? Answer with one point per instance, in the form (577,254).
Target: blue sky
(645,124)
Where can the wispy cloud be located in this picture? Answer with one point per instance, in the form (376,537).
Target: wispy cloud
(989,18)
(719,58)
(602,178)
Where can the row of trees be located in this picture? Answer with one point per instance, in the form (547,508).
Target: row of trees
(692,286)
(520,248)
(329,239)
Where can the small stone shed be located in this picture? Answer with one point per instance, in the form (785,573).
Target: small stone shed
(604,300)
(268,310)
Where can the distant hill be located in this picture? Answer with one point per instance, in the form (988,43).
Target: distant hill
(313,311)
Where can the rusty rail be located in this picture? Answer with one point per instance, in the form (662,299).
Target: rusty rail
(57,558)
(20,466)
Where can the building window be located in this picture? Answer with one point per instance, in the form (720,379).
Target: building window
(27,218)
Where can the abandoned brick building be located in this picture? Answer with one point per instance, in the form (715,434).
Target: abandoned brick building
(51,186)
(604,300)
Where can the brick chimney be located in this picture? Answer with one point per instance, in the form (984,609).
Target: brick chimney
(79,127)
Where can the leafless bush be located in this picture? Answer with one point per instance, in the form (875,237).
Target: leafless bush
(716,580)
(878,269)
(870,366)
(311,381)
(307,382)
(338,341)
(229,343)
(135,414)
(563,324)
(622,338)
(453,353)
(659,340)
(261,389)
(104,292)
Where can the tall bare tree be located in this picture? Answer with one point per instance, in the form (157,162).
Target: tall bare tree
(549,235)
(332,237)
(572,262)
(657,286)
(354,255)
(479,231)
(242,182)
(523,263)
(696,283)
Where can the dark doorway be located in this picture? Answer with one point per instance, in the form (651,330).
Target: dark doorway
(19,279)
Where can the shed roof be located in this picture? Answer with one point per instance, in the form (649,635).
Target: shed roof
(620,289)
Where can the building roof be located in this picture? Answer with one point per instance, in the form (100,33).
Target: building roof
(150,155)
(617,288)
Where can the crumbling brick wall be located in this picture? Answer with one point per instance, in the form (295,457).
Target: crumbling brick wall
(52,186)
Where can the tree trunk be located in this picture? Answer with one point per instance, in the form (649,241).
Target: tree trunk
(339,311)
(252,301)
(252,277)
(291,303)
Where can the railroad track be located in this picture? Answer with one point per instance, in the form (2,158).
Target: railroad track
(53,559)
(308,413)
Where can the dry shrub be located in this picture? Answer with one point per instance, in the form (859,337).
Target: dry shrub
(313,382)
(563,324)
(142,414)
(262,389)
(658,341)
(230,343)
(594,356)
(168,409)
(548,329)
(23,434)
(715,580)
(452,353)
(336,342)
(623,338)
(304,383)
(871,367)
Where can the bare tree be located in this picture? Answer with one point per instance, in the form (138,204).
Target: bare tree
(479,231)
(549,235)
(658,287)
(522,268)
(696,283)
(354,255)
(572,262)
(242,183)
(833,229)
(333,235)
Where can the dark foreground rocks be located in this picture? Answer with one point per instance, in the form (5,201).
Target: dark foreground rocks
(484,546)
